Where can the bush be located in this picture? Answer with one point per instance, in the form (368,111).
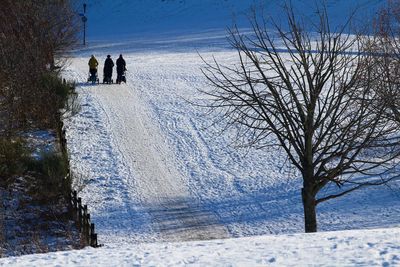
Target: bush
(54,85)
(48,173)
(14,157)
(34,37)
(51,173)
(52,96)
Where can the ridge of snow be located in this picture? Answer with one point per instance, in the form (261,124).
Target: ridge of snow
(379,247)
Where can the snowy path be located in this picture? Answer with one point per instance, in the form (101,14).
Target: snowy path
(147,184)
(159,184)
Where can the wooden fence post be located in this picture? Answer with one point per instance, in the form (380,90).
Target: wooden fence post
(95,245)
(88,233)
(75,200)
(70,205)
(80,213)
(93,236)
(84,221)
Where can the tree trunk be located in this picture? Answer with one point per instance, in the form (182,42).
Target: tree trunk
(310,215)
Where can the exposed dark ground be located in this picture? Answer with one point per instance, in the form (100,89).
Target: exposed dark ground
(30,222)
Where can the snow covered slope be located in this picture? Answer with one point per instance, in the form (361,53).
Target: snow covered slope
(154,168)
(352,248)
(122,18)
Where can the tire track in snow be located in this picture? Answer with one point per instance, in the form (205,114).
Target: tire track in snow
(111,198)
(148,180)
(162,189)
(130,219)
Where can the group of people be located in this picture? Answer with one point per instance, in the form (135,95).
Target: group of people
(108,68)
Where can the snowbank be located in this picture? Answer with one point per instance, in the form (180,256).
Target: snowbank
(349,248)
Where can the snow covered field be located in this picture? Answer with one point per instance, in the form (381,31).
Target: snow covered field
(154,169)
(349,248)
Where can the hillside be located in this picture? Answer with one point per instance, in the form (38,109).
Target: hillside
(158,175)
(121,18)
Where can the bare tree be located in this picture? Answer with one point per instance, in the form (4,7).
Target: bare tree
(384,44)
(310,93)
(32,35)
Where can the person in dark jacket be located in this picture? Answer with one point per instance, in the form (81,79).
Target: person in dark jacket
(108,69)
(121,68)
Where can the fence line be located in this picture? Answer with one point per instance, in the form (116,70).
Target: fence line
(82,217)
(78,212)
